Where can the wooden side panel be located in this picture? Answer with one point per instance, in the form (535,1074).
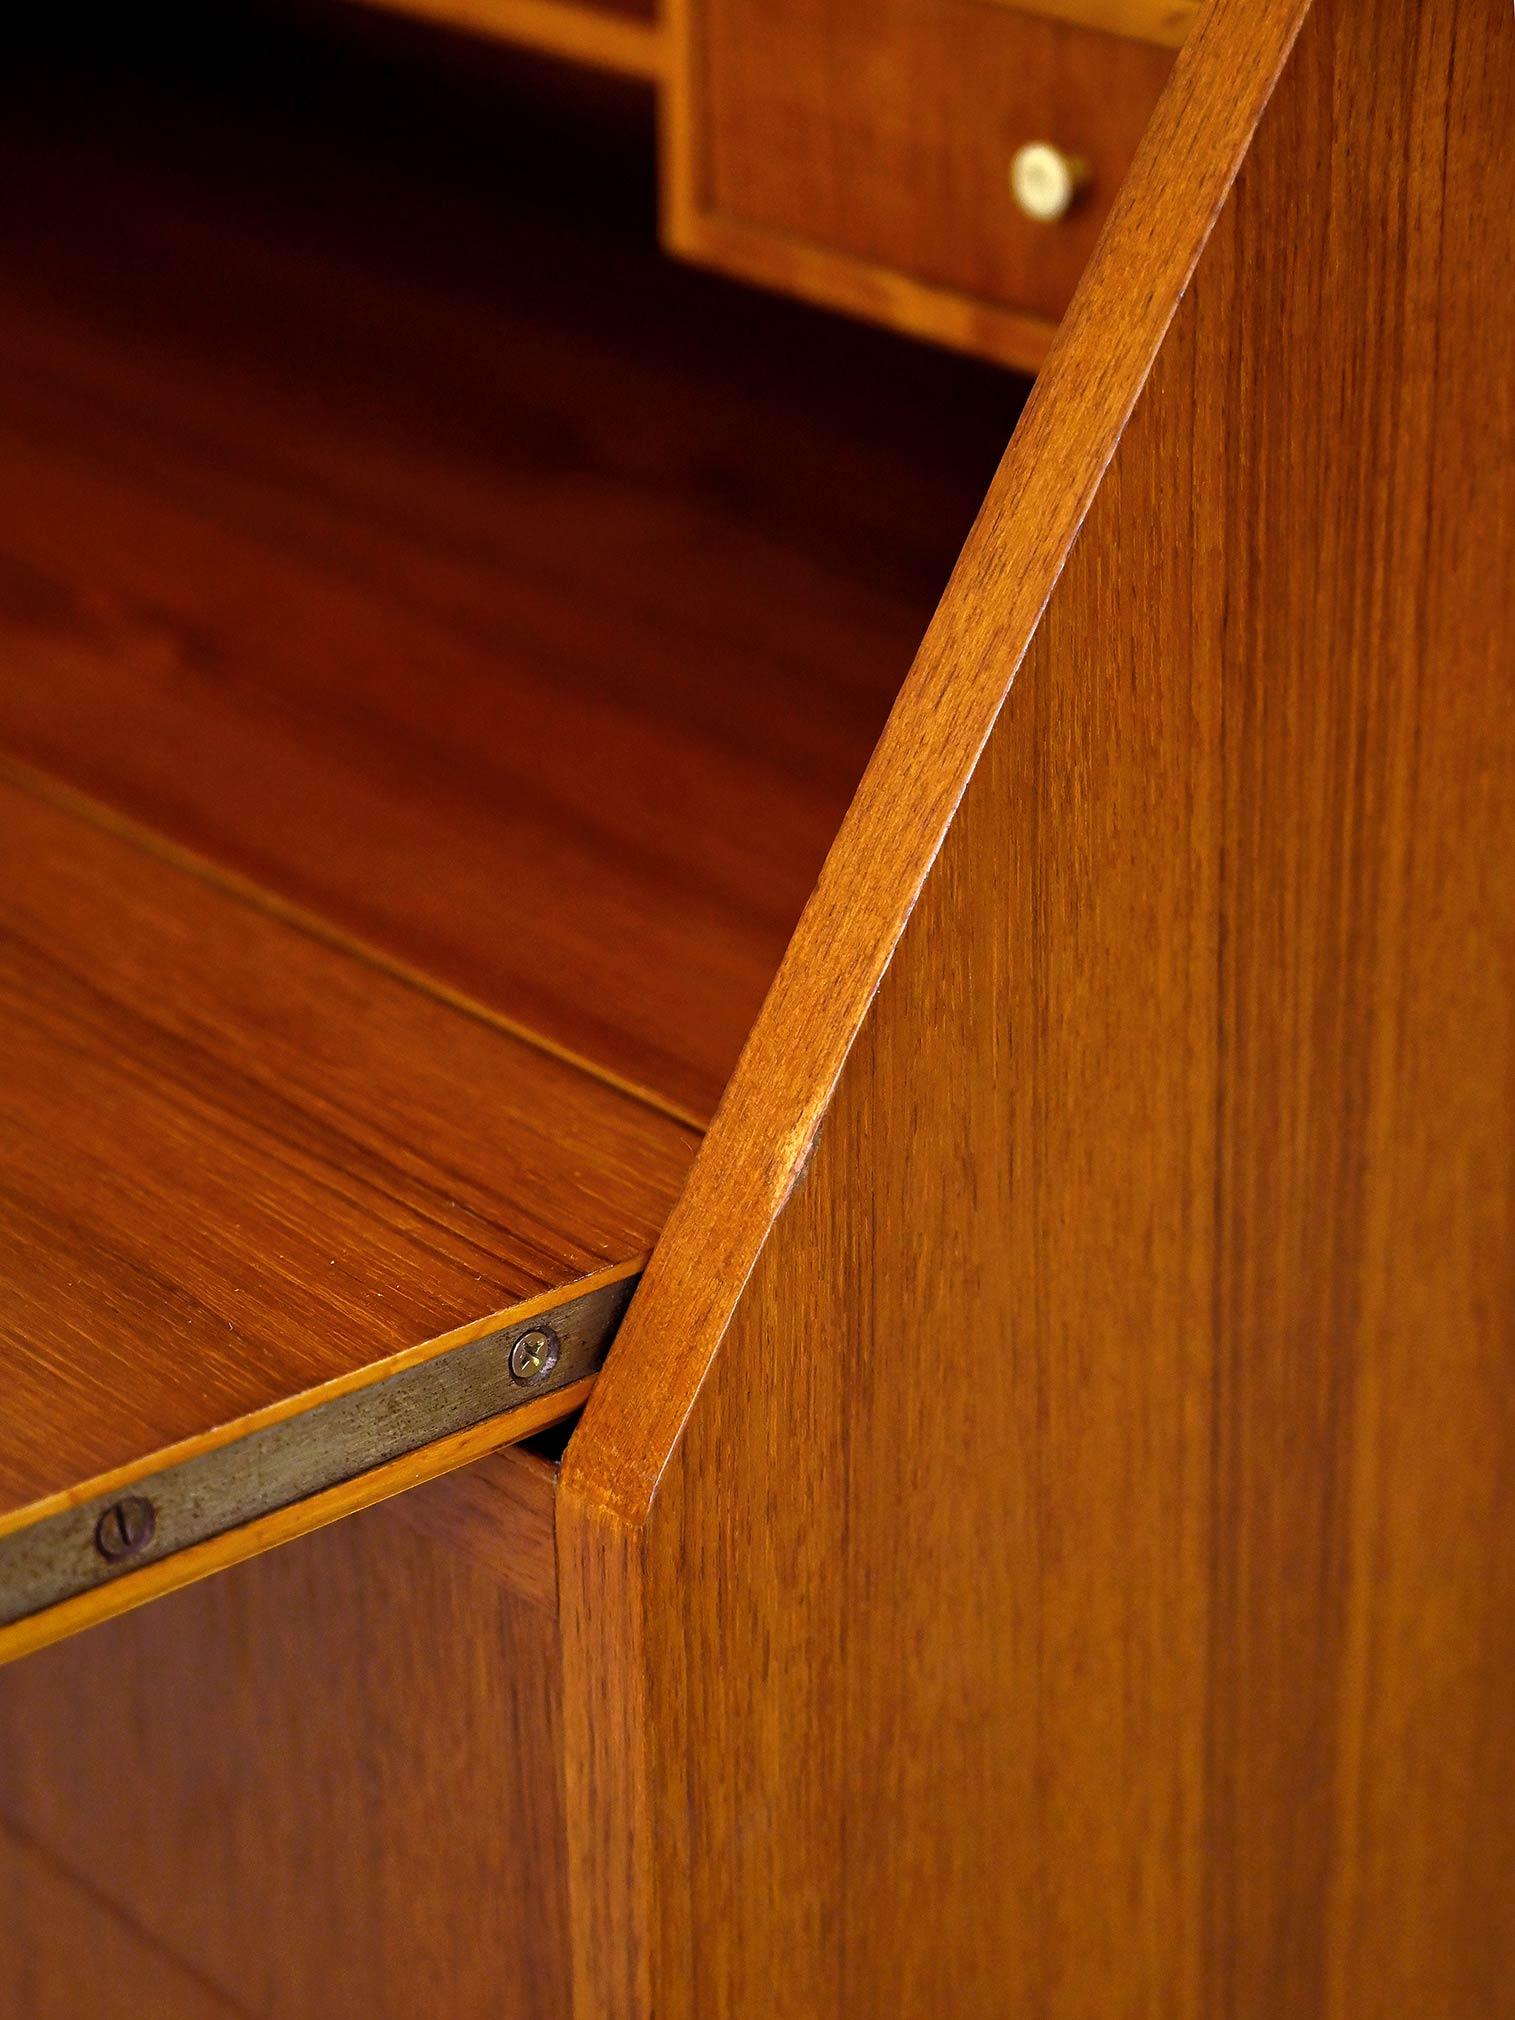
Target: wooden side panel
(1361,1733)
(977,1576)
(327,1782)
(1083,1585)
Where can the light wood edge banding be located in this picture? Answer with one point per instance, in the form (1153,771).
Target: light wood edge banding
(121,1478)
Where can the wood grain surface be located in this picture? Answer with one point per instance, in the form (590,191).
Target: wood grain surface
(383,517)
(1076,1576)
(326,1786)
(239,1164)
(750,1160)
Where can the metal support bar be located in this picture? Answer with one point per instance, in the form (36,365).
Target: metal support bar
(278,1464)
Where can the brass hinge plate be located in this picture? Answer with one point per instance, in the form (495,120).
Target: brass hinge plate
(278,1464)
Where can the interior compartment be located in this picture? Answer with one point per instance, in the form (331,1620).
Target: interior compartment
(327,1783)
(394,542)
(387,522)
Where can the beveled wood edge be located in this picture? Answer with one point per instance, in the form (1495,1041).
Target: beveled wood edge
(583,34)
(757,1143)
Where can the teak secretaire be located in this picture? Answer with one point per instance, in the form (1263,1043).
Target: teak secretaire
(887,1379)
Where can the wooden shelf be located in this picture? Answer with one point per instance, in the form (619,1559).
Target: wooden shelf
(245,1172)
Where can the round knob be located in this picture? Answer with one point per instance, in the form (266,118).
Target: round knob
(1044,180)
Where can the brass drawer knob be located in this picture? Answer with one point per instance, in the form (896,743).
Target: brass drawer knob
(1044,181)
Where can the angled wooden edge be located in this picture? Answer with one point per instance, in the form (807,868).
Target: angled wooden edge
(758,1141)
(757,1146)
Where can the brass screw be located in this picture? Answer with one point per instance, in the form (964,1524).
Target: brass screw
(125,1528)
(534,1354)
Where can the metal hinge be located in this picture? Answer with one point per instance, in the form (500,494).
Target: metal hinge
(275,1465)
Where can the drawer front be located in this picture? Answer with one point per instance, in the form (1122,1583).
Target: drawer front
(885,130)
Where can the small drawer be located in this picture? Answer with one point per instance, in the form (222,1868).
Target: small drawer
(884,131)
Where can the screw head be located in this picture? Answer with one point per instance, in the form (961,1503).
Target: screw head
(534,1354)
(125,1528)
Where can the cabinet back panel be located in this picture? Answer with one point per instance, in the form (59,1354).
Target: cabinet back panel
(323,1786)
